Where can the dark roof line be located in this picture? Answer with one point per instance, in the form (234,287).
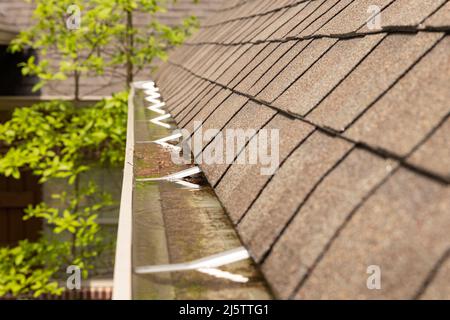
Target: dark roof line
(432,275)
(339,36)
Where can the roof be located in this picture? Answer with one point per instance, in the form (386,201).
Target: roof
(364,123)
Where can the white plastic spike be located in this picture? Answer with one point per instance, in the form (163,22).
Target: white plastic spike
(152,94)
(214,261)
(157,107)
(153,97)
(163,142)
(170,138)
(187,185)
(175,176)
(144,84)
(158,122)
(148,85)
(217,273)
(156,103)
(151,91)
(170,146)
(138,84)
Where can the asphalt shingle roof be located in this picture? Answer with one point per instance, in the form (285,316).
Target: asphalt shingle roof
(364,139)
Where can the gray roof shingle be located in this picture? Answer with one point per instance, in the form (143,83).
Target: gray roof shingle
(250,119)
(353,17)
(419,99)
(242,183)
(274,63)
(440,19)
(333,66)
(315,224)
(402,227)
(376,74)
(309,53)
(291,185)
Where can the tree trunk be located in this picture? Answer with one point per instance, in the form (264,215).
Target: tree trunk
(129,49)
(77,197)
(77,86)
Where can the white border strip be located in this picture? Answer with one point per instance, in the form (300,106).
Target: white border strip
(122,264)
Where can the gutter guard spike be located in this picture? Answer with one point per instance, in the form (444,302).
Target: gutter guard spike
(153,98)
(151,91)
(210,262)
(158,122)
(156,103)
(217,273)
(169,138)
(148,85)
(157,107)
(175,176)
(163,142)
(144,84)
(169,146)
(152,95)
(187,185)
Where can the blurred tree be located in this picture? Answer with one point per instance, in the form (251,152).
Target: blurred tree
(74,39)
(93,37)
(56,140)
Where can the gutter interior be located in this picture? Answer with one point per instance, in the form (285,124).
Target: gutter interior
(172,224)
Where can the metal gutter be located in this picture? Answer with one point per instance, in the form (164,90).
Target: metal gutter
(175,240)
(122,266)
